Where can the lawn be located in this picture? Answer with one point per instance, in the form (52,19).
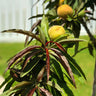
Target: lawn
(7,50)
(84,88)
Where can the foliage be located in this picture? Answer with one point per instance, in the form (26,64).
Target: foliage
(46,69)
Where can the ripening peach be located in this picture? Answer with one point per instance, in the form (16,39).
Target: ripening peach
(56,31)
(64,10)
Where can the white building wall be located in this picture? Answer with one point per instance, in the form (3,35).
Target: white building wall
(14,14)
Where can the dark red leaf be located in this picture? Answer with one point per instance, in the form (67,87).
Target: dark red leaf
(58,45)
(28,33)
(32,92)
(32,28)
(26,61)
(35,24)
(46,92)
(62,59)
(32,38)
(20,54)
(47,64)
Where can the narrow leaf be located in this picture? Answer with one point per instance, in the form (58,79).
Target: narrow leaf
(32,92)
(90,47)
(21,84)
(74,63)
(62,59)
(39,15)
(45,27)
(40,75)
(8,93)
(32,28)
(42,36)
(47,64)
(75,4)
(6,80)
(9,85)
(23,32)
(55,85)
(35,25)
(71,40)
(46,92)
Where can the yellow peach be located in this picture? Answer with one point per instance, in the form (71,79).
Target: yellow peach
(56,31)
(64,10)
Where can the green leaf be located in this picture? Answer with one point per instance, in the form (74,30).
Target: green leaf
(76,27)
(60,86)
(22,84)
(90,47)
(69,18)
(52,12)
(61,37)
(9,93)
(6,80)
(55,85)
(69,41)
(75,4)
(74,69)
(42,36)
(9,85)
(45,27)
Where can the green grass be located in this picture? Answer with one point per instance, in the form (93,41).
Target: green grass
(84,59)
(7,50)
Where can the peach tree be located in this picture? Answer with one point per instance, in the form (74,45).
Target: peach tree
(44,67)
